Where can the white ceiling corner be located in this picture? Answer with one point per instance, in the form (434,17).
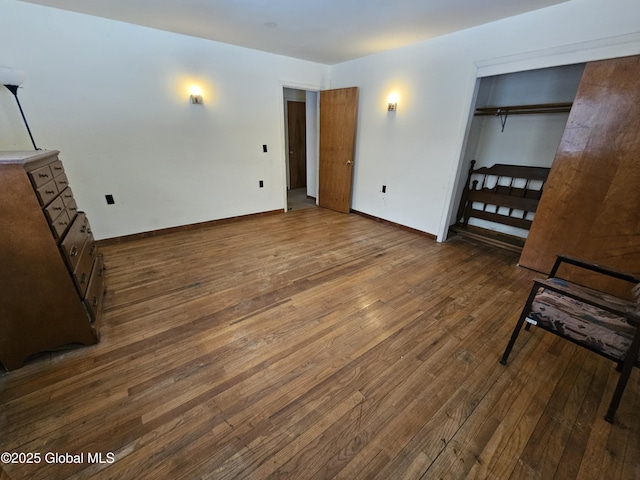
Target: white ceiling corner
(322,31)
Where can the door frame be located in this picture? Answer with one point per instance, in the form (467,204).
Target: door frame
(283,133)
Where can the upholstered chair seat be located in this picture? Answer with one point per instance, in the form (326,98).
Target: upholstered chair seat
(603,323)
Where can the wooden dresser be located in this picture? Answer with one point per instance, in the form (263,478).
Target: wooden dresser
(51,274)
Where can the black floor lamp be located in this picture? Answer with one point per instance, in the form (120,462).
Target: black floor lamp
(12,78)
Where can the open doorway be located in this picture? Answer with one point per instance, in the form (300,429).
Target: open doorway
(301,140)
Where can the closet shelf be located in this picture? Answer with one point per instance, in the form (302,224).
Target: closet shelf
(525,109)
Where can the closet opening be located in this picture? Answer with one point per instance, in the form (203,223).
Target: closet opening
(518,122)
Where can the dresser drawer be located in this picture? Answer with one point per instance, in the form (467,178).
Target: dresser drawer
(47,192)
(40,176)
(72,208)
(54,209)
(74,240)
(67,196)
(61,182)
(95,292)
(60,224)
(82,271)
(56,168)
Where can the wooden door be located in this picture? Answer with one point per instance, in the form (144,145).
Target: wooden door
(296,122)
(338,119)
(591,204)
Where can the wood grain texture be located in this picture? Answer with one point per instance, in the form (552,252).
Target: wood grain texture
(297,139)
(317,345)
(591,205)
(338,121)
(39,307)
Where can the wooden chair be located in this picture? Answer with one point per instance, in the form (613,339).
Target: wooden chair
(602,323)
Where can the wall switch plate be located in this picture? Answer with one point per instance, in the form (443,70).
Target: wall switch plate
(264,148)
(384,189)
(261,184)
(110,200)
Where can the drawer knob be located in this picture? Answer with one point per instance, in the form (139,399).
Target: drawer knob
(73,251)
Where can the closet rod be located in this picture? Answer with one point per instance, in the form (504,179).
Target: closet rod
(525,109)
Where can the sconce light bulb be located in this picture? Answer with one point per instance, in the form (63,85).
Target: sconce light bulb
(195,95)
(392,100)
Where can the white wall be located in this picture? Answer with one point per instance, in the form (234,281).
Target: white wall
(113,98)
(417,151)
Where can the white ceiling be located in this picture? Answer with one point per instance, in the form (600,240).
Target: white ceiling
(323,31)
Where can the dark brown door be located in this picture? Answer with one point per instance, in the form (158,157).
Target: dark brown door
(591,203)
(297,144)
(338,119)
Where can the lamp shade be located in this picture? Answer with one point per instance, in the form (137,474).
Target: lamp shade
(11,76)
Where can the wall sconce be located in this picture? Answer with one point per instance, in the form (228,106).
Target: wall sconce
(196,95)
(392,100)
(12,78)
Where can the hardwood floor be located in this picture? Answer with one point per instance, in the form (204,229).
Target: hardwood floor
(316,345)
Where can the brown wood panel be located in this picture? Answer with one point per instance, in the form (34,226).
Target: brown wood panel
(239,350)
(82,271)
(590,208)
(60,224)
(54,209)
(73,242)
(40,176)
(502,200)
(296,121)
(47,192)
(515,171)
(338,120)
(57,168)
(96,290)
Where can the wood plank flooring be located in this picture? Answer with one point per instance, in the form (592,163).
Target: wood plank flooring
(316,345)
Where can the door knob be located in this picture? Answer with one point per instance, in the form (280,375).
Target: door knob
(349,162)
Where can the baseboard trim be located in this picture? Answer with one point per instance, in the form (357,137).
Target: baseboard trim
(397,225)
(183,228)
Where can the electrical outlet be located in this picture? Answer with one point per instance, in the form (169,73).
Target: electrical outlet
(384,189)
(261,184)
(110,200)
(264,148)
